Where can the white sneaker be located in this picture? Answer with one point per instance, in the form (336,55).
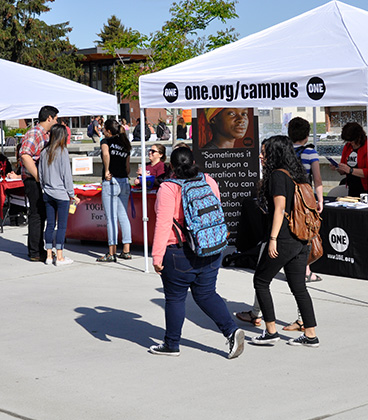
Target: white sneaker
(49,261)
(65,261)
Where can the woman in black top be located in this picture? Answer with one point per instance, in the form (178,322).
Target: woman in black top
(115,151)
(283,250)
(181,129)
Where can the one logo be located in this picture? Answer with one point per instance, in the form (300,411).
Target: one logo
(171,92)
(316,88)
(352,159)
(339,239)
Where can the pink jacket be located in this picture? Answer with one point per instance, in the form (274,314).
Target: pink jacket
(168,206)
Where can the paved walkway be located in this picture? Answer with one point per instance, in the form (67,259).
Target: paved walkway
(74,345)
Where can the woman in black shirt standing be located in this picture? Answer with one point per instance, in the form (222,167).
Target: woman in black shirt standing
(181,129)
(115,150)
(283,250)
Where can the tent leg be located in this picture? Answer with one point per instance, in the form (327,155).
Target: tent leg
(2,139)
(314,126)
(144,190)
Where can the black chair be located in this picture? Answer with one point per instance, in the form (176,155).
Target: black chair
(16,208)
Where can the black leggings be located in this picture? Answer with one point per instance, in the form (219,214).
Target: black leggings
(293,256)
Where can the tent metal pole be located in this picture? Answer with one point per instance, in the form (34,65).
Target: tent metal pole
(2,138)
(314,126)
(144,188)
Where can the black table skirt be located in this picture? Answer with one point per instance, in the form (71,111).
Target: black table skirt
(344,235)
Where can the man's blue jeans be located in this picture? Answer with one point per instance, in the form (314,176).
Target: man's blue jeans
(60,209)
(183,270)
(115,198)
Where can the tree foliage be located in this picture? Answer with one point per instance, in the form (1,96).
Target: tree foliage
(115,30)
(177,41)
(26,39)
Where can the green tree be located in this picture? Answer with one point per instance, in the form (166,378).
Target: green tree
(25,39)
(113,31)
(177,41)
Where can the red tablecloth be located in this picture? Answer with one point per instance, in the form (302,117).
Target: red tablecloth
(89,220)
(4,185)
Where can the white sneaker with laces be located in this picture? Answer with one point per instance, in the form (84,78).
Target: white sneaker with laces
(65,261)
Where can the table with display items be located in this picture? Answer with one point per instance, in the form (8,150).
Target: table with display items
(89,221)
(345,241)
(343,232)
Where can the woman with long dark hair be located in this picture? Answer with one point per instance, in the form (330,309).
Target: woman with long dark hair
(283,250)
(180,268)
(115,150)
(57,186)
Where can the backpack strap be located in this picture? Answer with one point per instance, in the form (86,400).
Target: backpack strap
(287,215)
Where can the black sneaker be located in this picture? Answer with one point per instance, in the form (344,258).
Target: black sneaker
(303,340)
(107,258)
(266,338)
(164,350)
(236,344)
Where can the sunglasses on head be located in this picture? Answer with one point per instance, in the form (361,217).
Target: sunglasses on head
(152,151)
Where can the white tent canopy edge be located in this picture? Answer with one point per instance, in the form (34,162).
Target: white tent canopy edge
(26,89)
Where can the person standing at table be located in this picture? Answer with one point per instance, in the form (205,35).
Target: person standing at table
(115,151)
(57,185)
(181,269)
(33,142)
(283,249)
(298,131)
(156,167)
(354,163)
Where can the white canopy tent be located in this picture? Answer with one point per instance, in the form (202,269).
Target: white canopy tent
(316,59)
(24,90)
(274,67)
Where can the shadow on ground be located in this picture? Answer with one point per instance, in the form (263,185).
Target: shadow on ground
(104,322)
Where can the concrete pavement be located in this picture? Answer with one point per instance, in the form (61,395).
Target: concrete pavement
(74,343)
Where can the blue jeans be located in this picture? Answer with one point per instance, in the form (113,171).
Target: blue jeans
(115,197)
(55,209)
(183,270)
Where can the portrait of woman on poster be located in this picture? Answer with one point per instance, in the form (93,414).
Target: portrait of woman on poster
(226,126)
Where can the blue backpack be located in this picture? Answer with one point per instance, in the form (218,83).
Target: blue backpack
(90,130)
(204,224)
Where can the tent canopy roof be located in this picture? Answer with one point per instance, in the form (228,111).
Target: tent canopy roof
(328,42)
(26,89)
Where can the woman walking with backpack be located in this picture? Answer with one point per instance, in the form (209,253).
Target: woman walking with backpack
(283,250)
(180,268)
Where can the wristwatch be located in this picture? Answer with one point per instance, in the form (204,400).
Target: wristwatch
(351,171)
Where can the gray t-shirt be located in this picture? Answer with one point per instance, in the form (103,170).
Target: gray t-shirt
(56,179)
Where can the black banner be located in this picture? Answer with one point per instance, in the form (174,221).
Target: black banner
(226,146)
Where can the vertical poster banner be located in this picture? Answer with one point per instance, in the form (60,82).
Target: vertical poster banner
(226,146)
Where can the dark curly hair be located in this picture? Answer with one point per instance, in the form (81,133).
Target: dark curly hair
(352,131)
(182,162)
(278,152)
